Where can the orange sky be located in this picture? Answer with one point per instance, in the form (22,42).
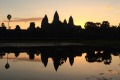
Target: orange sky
(81,10)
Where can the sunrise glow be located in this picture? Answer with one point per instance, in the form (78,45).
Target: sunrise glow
(82,11)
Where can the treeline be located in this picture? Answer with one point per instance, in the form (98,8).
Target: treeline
(63,30)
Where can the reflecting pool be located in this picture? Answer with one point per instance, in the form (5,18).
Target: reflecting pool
(59,63)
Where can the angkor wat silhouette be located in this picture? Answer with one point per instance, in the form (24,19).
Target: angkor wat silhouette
(63,30)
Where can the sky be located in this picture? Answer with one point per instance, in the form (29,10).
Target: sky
(25,11)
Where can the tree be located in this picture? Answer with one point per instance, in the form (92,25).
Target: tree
(17,27)
(90,25)
(9,17)
(105,25)
(7,65)
(3,27)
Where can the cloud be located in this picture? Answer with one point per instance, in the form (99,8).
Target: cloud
(14,59)
(25,59)
(25,19)
(109,7)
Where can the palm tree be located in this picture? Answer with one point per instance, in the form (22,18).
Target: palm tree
(7,66)
(9,17)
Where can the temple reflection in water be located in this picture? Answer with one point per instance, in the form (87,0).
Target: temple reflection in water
(60,55)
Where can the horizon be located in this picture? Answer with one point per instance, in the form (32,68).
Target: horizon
(27,11)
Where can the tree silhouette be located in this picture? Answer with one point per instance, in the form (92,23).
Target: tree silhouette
(3,27)
(9,17)
(17,53)
(17,28)
(90,25)
(105,25)
(7,66)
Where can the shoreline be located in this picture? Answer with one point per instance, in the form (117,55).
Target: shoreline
(37,44)
(59,42)
(8,44)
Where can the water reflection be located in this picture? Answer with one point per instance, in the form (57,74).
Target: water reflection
(59,55)
(7,66)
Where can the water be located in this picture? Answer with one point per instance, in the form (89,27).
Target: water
(59,63)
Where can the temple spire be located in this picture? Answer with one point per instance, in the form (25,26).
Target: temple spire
(71,21)
(56,17)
